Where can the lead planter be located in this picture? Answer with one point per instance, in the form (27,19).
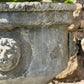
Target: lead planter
(33,41)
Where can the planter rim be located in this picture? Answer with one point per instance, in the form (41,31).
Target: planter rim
(36,6)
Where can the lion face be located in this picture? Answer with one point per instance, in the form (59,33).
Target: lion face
(9,54)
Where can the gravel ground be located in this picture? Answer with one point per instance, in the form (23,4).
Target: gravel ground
(56,82)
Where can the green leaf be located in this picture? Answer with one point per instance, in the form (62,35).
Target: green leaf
(69,1)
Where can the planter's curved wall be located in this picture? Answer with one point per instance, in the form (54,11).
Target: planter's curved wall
(40,32)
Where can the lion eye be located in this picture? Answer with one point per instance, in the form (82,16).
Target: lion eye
(1,50)
(8,52)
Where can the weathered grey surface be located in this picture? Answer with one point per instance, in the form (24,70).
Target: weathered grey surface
(26,19)
(36,6)
(45,51)
(42,35)
(35,14)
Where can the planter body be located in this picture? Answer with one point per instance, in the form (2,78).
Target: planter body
(40,31)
